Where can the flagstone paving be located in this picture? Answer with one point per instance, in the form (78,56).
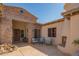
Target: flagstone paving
(34,50)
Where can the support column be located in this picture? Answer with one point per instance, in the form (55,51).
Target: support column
(30,33)
(6,30)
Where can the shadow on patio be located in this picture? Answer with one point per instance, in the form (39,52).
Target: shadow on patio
(38,50)
(21,44)
(48,50)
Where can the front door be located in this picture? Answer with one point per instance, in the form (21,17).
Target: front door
(16,35)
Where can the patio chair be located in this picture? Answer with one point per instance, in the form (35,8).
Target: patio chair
(38,40)
(35,40)
(25,39)
(42,40)
(48,41)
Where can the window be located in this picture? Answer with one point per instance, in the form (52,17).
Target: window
(36,33)
(22,33)
(51,32)
(21,11)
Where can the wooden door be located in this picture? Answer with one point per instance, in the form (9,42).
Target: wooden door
(16,35)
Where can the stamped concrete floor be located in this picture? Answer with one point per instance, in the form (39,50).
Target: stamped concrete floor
(34,50)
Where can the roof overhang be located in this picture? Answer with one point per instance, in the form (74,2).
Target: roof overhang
(56,21)
(70,12)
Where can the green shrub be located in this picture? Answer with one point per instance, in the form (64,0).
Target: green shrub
(76,41)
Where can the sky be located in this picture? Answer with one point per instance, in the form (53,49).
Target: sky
(45,12)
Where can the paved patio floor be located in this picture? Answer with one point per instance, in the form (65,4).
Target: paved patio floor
(34,50)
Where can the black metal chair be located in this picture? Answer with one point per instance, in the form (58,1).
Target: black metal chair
(38,40)
(41,40)
(25,39)
(48,41)
(35,40)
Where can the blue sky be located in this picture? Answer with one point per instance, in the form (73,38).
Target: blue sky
(45,12)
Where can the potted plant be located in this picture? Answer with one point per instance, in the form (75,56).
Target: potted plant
(76,42)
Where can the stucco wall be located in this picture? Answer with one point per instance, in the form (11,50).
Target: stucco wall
(58,26)
(71,31)
(74,30)
(75,27)
(66,32)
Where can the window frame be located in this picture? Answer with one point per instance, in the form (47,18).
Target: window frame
(21,11)
(22,33)
(52,32)
(37,33)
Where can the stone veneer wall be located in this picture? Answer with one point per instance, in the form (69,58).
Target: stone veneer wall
(6,30)
(13,13)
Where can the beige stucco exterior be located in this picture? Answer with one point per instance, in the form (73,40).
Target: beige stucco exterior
(69,28)
(70,6)
(58,26)
(73,35)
